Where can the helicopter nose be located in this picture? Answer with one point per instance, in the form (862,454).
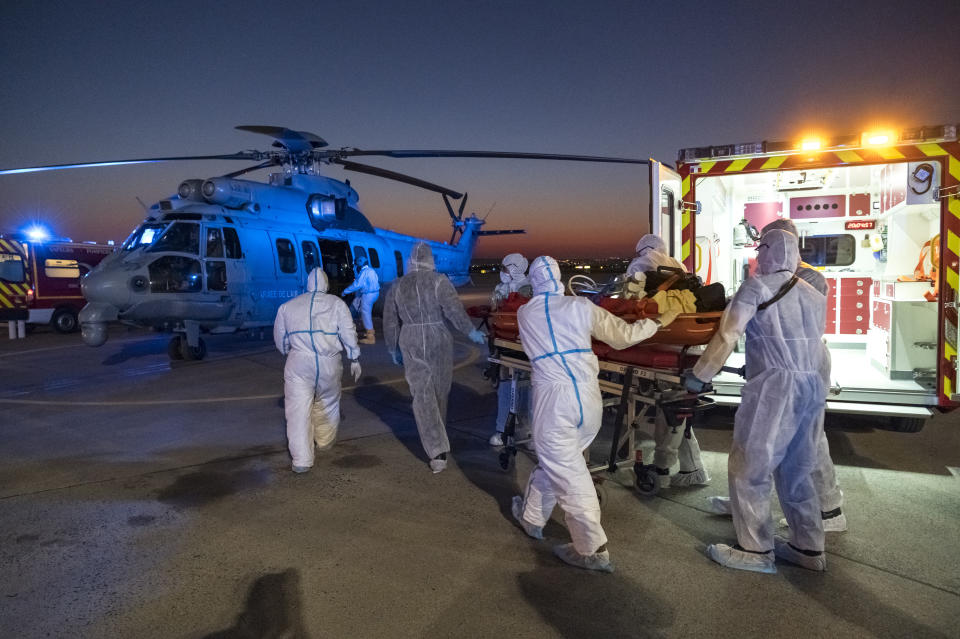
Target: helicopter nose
(108,286)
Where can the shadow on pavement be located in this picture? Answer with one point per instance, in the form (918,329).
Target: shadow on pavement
(393,408)
(579,603)
(273,610)
(833,592)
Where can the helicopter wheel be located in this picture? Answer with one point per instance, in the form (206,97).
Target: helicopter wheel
(192,354)
(173,348)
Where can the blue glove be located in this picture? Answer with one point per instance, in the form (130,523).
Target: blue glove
(694,384)
(477,336)
(397,358)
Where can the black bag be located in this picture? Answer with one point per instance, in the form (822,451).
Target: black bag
(709,298)
(686,281)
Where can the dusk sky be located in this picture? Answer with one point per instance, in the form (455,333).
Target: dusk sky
(85,81)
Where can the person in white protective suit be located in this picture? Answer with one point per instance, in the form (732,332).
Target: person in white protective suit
(311,330)
(556,332)
(651,253)
(513,279)
(777,426)
(418,340)
(824,475)
(672,444)
(366,287)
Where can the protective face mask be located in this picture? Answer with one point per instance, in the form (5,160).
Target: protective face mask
(505,277)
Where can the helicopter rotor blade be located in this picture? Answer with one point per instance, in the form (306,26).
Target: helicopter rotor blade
(251,156)
(284,138)
(417,153)
(399,177)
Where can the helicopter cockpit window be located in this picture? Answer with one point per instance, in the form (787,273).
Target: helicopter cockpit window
(175,274)
(214,242)
(286,256)
(11,268)
(374,258)
(181,237)
(311,256)
(399,259)
(232,243)
(145,235)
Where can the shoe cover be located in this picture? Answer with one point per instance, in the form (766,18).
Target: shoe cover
(742,560)
(830,524)
(783,550)
(496,439)
(300,469)
(599,561)
(698,477)
(438,465)
(516,507)
(718,505)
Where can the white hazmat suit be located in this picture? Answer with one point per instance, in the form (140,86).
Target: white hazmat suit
(513,279)
(416,336)
(311,330)
(651,254)
(366,288)
(672,446)
(555,331)
(776,428)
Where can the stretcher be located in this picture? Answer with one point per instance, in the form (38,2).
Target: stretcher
(637,391)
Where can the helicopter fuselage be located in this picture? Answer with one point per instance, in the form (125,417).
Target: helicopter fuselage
(223,254)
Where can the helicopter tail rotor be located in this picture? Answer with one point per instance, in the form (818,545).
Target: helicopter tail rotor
(456,218)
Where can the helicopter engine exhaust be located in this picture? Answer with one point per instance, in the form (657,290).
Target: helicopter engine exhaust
(234,194)
(191,190)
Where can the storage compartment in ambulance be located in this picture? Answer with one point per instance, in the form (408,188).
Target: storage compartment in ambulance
(874,233)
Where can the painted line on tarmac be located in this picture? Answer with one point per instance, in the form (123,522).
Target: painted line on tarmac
(471,358)
(62,347)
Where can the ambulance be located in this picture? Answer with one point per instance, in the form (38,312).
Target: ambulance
(40,280)
(878,214)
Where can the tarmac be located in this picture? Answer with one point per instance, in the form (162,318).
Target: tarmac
(144,498)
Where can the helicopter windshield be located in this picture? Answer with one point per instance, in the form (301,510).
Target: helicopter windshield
(181,237)
(145,235)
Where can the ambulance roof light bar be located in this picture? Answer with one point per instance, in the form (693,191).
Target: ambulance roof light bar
(938,133)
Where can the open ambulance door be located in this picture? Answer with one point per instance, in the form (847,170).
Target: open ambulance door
(666,210)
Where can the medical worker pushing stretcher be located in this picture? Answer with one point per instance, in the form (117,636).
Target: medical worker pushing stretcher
(778,424)
(555,331)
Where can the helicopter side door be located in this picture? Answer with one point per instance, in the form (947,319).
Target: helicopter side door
(224,269)
(337,263)
(289,282)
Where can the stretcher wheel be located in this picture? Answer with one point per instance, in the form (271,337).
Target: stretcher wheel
(601,488)
(647,483)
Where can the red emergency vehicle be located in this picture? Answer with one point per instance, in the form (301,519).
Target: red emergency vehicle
(43,278)
(878,214)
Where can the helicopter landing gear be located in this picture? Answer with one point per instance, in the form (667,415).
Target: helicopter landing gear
(173,348)
(191,353)
(180,349)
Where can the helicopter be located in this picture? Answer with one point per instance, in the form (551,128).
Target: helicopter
(222,254)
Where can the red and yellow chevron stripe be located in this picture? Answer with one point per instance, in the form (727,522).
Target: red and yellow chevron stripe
(947,153)
(13,295)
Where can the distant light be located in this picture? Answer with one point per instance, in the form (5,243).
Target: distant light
(811,144)
(37,233)
(109,242)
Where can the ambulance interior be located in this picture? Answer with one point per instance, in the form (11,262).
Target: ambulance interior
(873,231)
